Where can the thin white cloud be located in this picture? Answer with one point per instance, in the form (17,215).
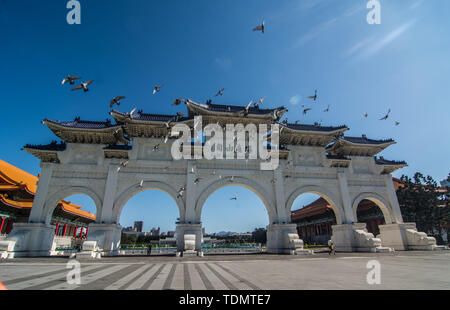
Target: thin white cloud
(319,29)
(223,63)
(386,40)
(295,100)
(358,46)
(416,4)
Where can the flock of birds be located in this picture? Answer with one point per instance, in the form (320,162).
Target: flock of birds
(117,100)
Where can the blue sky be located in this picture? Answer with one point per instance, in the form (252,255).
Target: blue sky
(197,47)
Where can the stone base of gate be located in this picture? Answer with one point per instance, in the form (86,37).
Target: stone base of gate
(192,244)
(284,239)
(405,236)
(28,240)
(355,238)
(103,240)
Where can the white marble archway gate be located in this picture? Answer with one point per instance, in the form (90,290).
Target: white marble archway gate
(88,162)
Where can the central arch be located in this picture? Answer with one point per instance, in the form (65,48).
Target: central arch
(254,187)
(331,198)
(148,185)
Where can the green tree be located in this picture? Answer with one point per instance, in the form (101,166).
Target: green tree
(422,201)
(260,235)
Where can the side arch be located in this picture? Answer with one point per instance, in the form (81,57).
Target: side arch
(254,187)
(55,198)
(331,198)
(381,202)
(133,190)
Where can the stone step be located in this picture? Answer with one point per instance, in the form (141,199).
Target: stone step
(383,250)
(441,248)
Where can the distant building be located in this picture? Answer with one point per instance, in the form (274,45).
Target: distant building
(138,225)
(170,234)
(155,232)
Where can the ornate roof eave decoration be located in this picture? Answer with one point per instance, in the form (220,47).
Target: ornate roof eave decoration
(355,146)
(338,161)
(214,110)
(311,135)
(389,166)
(117,151)
(88,132)
(148,125)
(46,153)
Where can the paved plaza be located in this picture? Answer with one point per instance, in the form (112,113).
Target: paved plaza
(401,270)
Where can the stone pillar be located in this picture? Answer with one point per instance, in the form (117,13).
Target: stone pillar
(190,194)
(393,201)
(189,229)
(280,198)
(348,216)
(28,240)
(283,239)
(103,240)
(109,195)
(36,214)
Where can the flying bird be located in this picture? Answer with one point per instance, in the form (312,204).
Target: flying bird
(386,116)
(122,165)
(260,27)
(314,97)
(260,101)
(83,86)
(132,113)
(156,148)
(327,109)
(71,79)
(397,123)
(197,180)
(178,101)
(116,100)
(141,184)
(234,198)
(181,192)
(220,92)
(285,122)
(365,115)
(157,89)
(306,110)
(247,108)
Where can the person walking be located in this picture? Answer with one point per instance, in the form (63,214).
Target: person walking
(331,246)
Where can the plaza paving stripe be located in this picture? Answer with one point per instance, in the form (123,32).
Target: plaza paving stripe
(97,280)
(247,283)
(43,281)
(139,282)
(225,281)
(169,278)
(214,280)
(33,276)
(128,278)
(153,277)
(178,278)
(61,284)
(204,279)
(160,279)
(187,278)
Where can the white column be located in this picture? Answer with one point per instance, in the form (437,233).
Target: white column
(397,217)
(190,194)
(348,217)
(36,215)
(280,198)
(109,196)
